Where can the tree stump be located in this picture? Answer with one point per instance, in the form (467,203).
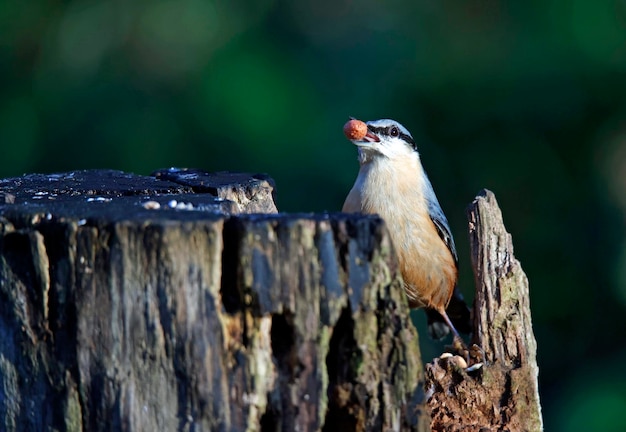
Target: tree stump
(155,304)
(503,394)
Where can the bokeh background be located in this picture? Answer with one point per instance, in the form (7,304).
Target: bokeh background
(527,99)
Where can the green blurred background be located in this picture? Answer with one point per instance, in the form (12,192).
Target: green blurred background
(527,99)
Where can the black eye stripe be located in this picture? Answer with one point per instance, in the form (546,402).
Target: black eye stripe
(408,139)
(385,131)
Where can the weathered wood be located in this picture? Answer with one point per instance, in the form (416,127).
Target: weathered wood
(253,193)
(119,314)
(503,394)
(346,353)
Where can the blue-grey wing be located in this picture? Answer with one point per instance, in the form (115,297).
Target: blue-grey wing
(439,219)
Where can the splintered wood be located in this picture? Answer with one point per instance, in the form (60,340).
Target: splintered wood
(502,394)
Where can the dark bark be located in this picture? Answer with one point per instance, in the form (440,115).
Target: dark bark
(140,303)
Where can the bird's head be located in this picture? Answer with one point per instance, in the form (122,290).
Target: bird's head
(384,137)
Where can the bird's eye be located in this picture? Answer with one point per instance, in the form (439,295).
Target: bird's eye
(394,131)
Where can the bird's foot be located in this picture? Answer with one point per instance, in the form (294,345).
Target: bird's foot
(476,355)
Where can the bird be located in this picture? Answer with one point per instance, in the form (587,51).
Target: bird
(393,184)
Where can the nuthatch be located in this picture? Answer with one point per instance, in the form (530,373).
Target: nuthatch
(393,184)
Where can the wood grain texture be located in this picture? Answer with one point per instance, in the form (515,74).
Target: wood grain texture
(117,317)
(503,394)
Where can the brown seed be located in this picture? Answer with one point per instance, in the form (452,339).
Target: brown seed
(355,129)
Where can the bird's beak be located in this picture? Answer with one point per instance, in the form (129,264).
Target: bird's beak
(369,138)
(354,131)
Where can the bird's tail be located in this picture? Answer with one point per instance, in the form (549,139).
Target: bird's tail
(458,312)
